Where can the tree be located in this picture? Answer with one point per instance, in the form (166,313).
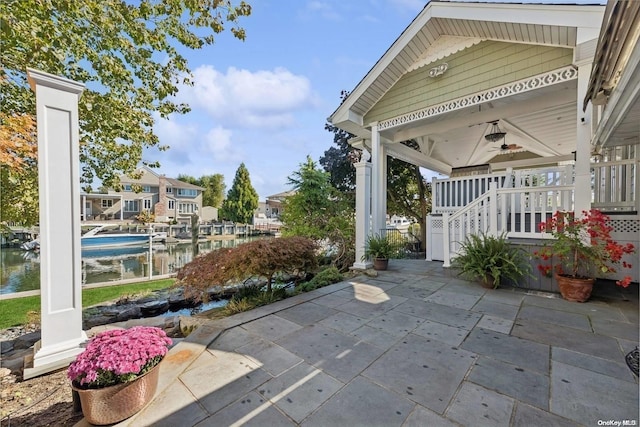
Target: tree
(242,198)
(320,212)
(260,258)
(408,194)
(213,185)
(338,161)
(18,169)
(126,52)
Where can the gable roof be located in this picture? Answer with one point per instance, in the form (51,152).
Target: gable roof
(563,26)
(181,184)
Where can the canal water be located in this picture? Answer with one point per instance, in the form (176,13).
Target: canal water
(20,270)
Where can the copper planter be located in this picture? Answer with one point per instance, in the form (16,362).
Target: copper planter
(112,404)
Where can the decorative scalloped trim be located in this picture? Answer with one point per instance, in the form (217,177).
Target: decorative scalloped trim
(443,47)
(542,80)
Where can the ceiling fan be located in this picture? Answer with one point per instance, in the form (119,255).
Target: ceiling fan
(507,147)
(496,134)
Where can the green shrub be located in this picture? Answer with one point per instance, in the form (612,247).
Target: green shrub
(326,277)
(490,259)
(238,306)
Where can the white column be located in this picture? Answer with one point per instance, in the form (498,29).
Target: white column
(363,211)
(582,196)
(83,208)
(378,181)
(59,192)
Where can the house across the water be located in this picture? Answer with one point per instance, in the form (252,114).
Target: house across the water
(167,198)
(527,108)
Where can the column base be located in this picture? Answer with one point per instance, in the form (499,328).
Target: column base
(362,265)
(52,358)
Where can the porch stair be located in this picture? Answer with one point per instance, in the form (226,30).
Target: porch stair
(513,202)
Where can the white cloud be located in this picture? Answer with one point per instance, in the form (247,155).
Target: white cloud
(245,99)
(323,9)
(218,142)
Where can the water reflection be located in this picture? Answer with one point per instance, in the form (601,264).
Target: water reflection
(20,271)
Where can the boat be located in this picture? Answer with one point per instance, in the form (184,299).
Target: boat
(103,236)
(400,223)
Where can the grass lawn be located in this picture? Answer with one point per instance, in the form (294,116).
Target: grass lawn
(15,312)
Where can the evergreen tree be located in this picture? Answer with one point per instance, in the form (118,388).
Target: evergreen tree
(242,198)
(318,211)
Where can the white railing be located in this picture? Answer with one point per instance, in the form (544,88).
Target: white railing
(450,195)
(505,210)
(615,184)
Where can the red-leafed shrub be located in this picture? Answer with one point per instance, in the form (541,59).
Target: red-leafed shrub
(260,258)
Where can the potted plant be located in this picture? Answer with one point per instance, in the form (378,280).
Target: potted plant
(583,247)
(117,373)
(489,259)
(379,248)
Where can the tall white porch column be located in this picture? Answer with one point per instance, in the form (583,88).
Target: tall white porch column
(363,211)
(378,181)
(59,188)
(582,198)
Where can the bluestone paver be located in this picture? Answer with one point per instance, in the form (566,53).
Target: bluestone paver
(616,329)
(494,323)
(362,403)
(395,323)
(569,338)
(425,371)
(251,410)
(421,417)
(509,349)
(271,327)
(223,380)
(269,356)
(512,380)
(542,314)
(343,322)
(375,336)
(588,397)
(300,391)
(174,406)
(477,406)
(497,309)
(453,299)
(445,333)
(602,366)
(307,314)
(528,416)
(440,313)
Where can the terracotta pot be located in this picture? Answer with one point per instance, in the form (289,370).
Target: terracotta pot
(487,282)
(112,404)
(574,289)
(380,263)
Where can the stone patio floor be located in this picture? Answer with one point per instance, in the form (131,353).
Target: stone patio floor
(411,347)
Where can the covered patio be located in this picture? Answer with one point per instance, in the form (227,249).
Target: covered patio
(500,99)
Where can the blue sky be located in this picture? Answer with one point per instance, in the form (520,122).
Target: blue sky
(265,101)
